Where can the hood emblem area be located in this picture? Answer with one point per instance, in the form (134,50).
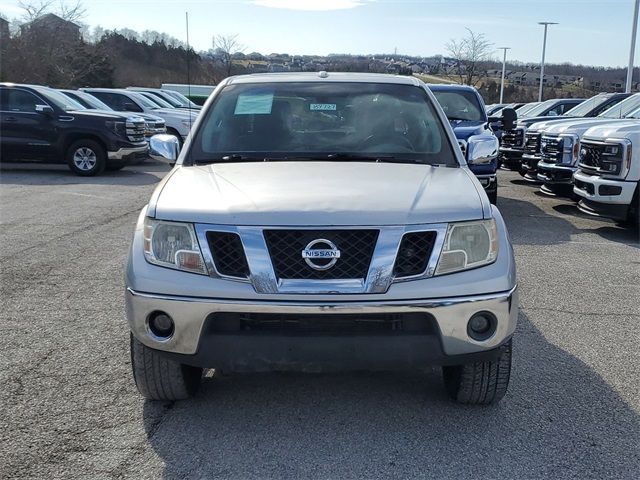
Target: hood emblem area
(321,254)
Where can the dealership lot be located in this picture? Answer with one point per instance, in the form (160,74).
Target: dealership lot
(68,406)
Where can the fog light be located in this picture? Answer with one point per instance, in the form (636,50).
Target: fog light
(161,325)
(482,326)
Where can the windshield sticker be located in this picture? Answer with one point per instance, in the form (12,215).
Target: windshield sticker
(254,104)
(322,106)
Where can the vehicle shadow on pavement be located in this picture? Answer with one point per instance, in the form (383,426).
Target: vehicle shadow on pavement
(22,174)
(560,419)
(530,225)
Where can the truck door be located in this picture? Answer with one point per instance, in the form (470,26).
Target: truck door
(26,134)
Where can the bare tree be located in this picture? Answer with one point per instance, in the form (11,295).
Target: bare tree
(224,47)
(469,54)
(73,12)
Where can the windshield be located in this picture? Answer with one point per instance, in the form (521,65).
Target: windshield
(185,102)
(625,108)
(539,109)
(324,121)
(60,99)
(526,108)
(158,102)
(144,101)
(460,105)
(88,101)
(585,108)
(164,99)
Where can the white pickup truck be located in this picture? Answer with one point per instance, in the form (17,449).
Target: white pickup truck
(321,221)
(608,176)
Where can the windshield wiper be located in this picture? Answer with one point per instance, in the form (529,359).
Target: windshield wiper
(356,157)
(234,157)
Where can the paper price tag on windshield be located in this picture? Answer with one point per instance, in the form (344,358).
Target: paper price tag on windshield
(322,106)
(254,104)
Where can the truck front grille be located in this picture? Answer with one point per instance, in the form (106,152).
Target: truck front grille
(551,149)
(591,157)
(513,138)
(532,143)
(356,249)
(414,253)
(135,131)
(228,254)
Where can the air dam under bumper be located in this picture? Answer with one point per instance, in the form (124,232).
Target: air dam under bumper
(195,342)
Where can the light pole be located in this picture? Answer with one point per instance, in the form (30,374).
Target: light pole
(544,47)
(632,50)
(504,65)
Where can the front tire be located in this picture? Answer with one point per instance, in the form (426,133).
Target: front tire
(159,378)
(86,158)
(493,197)
(479,383)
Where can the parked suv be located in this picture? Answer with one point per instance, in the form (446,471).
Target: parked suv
(608,176)
(587,109)
(512,141)
(320,221)
(560,145)
(178,122)
(43,125)
(465,110)
(152,125)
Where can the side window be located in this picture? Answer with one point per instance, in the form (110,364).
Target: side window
(3,99)
(21,101)
(114,100)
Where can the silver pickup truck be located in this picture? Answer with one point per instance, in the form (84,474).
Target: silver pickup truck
(320,221)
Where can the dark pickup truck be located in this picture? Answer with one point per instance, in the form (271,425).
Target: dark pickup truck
(40,124)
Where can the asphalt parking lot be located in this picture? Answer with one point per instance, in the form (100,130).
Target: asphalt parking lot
(69,408)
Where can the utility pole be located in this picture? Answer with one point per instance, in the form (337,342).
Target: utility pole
(544,48)
(632,50)
(504,66)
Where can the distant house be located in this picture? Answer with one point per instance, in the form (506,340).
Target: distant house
(52,25)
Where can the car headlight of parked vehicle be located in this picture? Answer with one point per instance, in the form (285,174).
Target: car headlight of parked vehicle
(119,128)
(570,148)
(173,245)
(468,245)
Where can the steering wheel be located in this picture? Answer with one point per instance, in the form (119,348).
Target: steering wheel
(394,138)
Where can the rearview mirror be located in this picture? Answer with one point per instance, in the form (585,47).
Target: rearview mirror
(509,117)
(44,109)
(164,148)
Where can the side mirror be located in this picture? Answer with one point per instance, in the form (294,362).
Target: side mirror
(44,109)
(164,148)
(509,117)
(482,149)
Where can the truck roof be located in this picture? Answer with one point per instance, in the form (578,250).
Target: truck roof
(450,87)
(325,77)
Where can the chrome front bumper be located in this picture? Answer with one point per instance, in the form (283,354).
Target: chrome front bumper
(451,315)
(125,152)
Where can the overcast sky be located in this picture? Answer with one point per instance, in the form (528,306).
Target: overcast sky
(590,32)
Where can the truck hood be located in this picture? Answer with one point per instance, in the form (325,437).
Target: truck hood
(105,114)
(629,129)
(465,129)
(580,126)
(318,193)
(545,125)
(175,112)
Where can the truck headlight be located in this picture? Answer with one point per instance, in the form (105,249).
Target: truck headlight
(173,245)
(119,128)
(570,149)
(468,245)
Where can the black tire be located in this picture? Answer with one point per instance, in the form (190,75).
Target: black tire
(159,378)
(634,208)
(493,197)
(479,383)
(94,154)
